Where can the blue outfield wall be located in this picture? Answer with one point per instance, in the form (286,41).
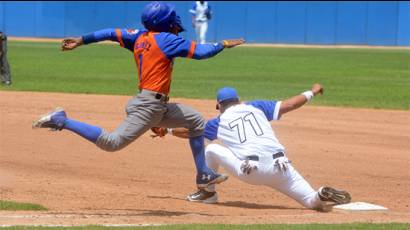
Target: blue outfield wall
(300,22)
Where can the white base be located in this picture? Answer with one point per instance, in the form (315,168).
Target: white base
(360,206)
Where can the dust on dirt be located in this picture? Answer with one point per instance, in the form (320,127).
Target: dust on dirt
(364,151)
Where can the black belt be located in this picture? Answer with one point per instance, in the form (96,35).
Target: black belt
(156,95)
(274,156)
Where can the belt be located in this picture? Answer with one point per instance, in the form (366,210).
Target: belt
(159,96)
(274,156)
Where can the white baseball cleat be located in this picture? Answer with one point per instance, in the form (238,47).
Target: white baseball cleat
(203,196)
(334,195)
(54,120)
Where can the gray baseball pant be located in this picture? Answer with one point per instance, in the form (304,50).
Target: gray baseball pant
(145,111)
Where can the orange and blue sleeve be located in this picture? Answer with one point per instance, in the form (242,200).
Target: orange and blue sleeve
(126,38)
(175,46)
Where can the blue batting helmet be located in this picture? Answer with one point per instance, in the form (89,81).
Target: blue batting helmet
(226,93)
(161,17)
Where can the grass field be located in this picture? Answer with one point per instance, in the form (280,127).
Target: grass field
(15,206)
(352,77)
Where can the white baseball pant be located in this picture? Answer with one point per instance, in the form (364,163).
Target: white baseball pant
(290,183)
(200,30)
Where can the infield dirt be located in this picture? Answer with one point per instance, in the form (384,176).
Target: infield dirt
(364,151)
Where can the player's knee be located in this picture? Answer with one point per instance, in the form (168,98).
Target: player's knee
(111,142)
(211,156)
(114,147)
(197,126)
(111,148)
(211,149)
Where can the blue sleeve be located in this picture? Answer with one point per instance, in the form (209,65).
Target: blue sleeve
(125,37)
(175,46)
(128,37)
(203,51)
(211,129)
(172,45)
(100,35)
(269,108)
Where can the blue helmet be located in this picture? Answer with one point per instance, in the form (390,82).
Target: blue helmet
(226,93)
(161,17)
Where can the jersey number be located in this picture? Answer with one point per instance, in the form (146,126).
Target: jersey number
(240,124)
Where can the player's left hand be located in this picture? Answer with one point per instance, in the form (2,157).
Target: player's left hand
(158,132)
(317,89)
(247,168)
(232,42)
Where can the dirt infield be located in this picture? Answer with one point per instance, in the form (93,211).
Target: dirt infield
(364,151)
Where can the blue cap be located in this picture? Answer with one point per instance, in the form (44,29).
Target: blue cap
(226,93)
(160,17)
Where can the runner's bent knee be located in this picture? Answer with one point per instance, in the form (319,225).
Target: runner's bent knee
(196,126)
(112,142)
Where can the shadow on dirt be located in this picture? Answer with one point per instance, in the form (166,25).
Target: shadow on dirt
(242,204)
(123,213)
(237,204)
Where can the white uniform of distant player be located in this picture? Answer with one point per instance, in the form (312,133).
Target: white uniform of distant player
(200,20)
(245,131)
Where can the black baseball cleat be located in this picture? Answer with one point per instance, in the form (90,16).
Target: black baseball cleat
(203,196)
(334,195)
(203,180)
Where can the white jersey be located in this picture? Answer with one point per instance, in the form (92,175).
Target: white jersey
(245,129)
(200,11)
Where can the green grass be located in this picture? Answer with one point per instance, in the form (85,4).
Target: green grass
(371,78)
(15,206)
(243,227)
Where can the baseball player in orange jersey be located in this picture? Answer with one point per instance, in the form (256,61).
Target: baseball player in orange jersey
(154,49)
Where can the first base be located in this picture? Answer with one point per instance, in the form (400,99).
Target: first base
(360,206)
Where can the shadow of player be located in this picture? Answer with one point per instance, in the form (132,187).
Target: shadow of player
(237,204)
(108,213)
(242,204)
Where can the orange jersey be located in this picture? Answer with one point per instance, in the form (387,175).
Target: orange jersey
(154,53)
(154,67)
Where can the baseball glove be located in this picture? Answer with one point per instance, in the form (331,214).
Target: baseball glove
(158,132)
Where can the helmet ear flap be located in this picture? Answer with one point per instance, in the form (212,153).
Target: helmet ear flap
(178,23)
(161,17)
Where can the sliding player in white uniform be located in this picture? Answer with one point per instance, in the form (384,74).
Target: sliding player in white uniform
(251,151)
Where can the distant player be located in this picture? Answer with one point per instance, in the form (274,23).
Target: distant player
(154,49)
(251,151)
(201,14)
(5,75)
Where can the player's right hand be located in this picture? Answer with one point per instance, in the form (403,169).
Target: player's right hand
(232,42)
(317,88)
(158,132)
(71,43)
